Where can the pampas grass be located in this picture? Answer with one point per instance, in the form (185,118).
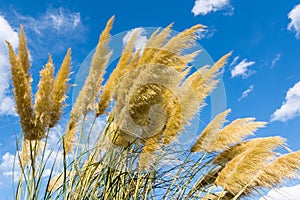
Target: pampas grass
(59,90)
(138,153)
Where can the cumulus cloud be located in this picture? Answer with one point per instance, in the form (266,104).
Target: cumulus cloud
(247,92)
(141,39)
(290,108)
(203,7)
(9,34)
(242,69)
(7,166)
(294,16)
(284,193)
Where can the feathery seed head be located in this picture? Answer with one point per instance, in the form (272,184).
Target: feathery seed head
(243,168)
(43,101)
(22,94)
(118,72)
(85,101)
(285,167)
(60,88)
(210,130)
(198,86)
(23,51)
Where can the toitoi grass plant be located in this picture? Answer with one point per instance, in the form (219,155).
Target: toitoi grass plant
(148,100)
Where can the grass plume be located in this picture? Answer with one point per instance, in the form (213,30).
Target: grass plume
(140,152)
(86,98)
(60,88)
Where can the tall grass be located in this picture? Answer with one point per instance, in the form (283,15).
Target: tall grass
(149,99)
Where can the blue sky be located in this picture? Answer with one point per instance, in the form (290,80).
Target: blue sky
(262,78)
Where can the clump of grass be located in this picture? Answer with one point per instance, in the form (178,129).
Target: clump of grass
(137,154)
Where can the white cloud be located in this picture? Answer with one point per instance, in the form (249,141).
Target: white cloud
(206,33)
(7,164)
(9,34)
(284,193)
(242,69)
(53,151)
(141,39)
(10,166)
(234,61)
(203,7)
(294,16)
(7,161)
(247,92)
(45,28)
(275,60)
(290,108)
(60,20)
(52,31)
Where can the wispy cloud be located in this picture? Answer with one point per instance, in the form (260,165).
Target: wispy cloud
(52,31)
(275,60)
(206,33)
(58,20)
(242,69)
(294,16)
(9,34)
(141,39)
(290,108)
(203,7)
(234,61)
(247,92)
(284,193)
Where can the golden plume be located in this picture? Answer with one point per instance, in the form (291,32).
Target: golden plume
(240,171)
(23,52)
(22,94)
(184,39)
(197,87)
(233,133)
(210,130)
(43,101)
(285,167)
(134,62)
(170,53)
(86,98)
(118,72)
(228,154)
(141,101)
(174,116)
(154,44)
(60,88)
(138,93)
